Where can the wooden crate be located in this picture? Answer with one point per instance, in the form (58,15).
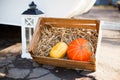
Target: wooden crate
(66,23)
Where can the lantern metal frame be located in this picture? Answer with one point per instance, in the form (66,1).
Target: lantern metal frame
(29,20)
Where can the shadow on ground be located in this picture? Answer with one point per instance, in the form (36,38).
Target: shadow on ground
(56,72)
(70,74)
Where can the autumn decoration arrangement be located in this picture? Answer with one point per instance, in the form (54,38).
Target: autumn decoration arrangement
(66,43)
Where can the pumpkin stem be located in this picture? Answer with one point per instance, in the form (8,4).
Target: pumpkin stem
(81,47)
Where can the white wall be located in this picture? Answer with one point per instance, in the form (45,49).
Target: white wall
(10,10)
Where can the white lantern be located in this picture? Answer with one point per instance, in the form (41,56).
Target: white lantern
(29,21)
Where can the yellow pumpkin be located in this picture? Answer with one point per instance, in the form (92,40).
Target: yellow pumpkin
(59,50)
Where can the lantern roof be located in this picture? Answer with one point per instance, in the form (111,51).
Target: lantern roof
(32,10)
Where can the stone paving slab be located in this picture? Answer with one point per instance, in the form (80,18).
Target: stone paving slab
(38,72)
(18,73)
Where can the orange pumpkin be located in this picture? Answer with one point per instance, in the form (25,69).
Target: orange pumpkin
(79,49)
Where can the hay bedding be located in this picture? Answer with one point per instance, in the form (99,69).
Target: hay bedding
(51,35)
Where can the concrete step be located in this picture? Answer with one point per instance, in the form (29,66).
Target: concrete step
(110,25)
(110,33)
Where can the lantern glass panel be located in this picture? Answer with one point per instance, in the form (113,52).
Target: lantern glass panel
(29,33)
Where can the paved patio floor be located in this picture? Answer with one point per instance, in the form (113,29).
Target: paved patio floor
(104,13)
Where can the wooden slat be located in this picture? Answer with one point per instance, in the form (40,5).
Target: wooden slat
(72,21)
(98,26)
(73,25)
(65,63)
